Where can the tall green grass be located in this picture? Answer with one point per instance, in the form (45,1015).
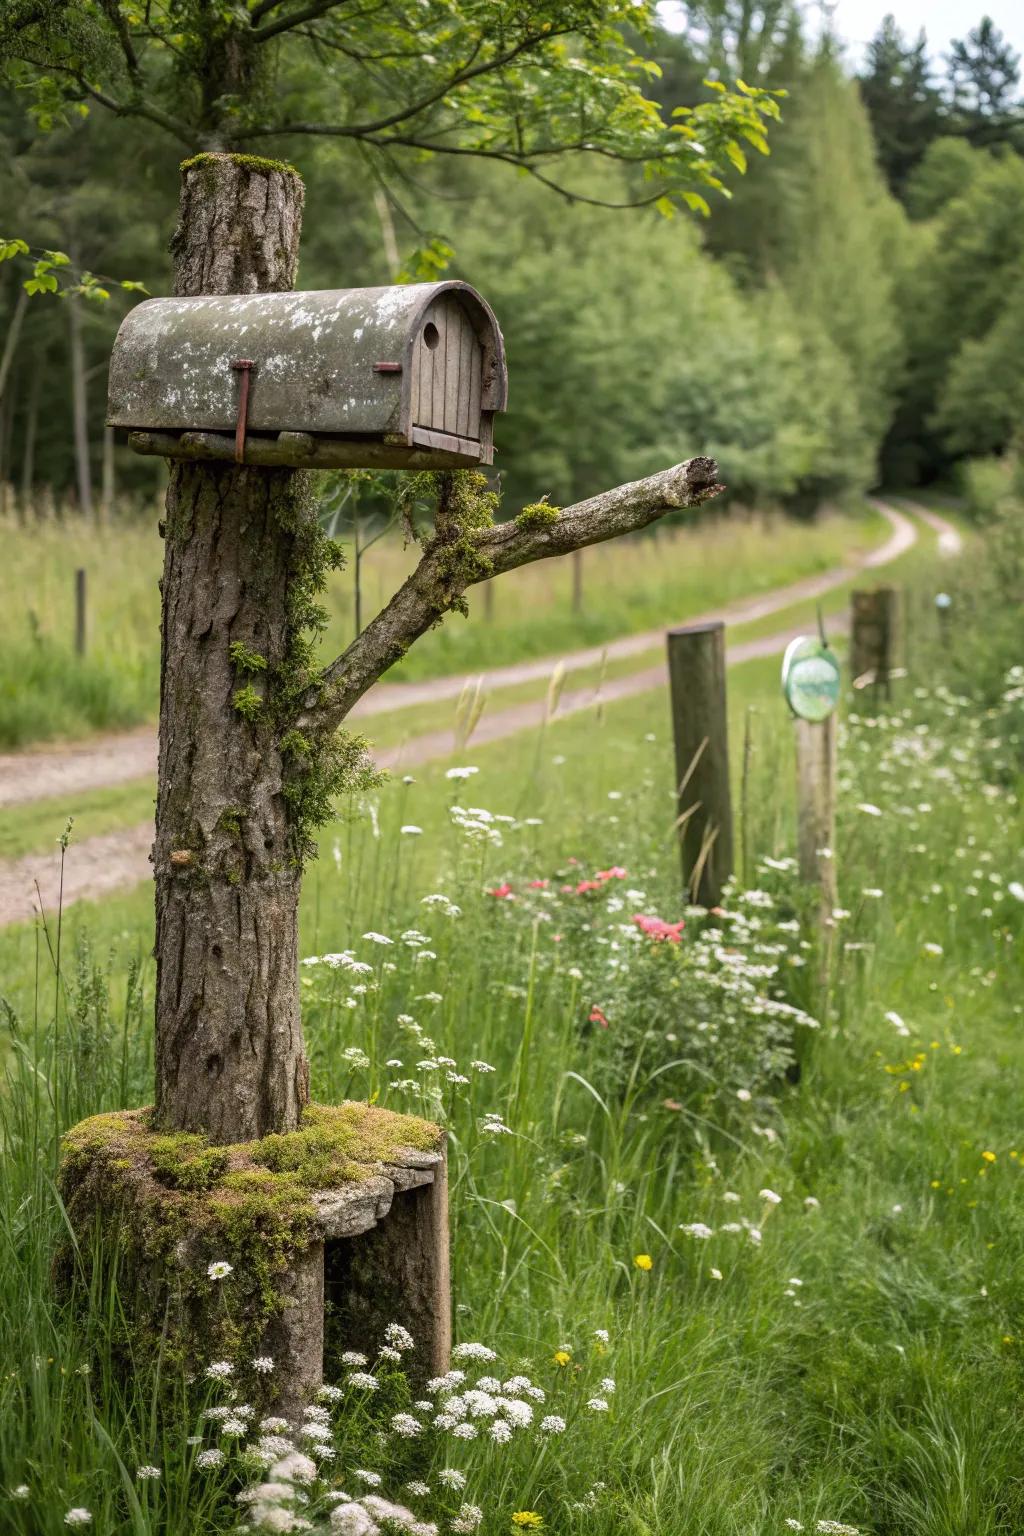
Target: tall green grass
(861,1363)
(48,691)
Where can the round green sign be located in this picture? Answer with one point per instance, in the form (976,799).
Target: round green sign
(810,678)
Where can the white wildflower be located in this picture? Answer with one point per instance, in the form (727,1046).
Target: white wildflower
(471,1351)
(554,1424)
(78,1516)
(219,1370)
(263,1365)
(467,1520)
(219,1270)
(209,1459)
(450,1477)
(398,1337)
(353,1357)
(597,1405)
(377,938)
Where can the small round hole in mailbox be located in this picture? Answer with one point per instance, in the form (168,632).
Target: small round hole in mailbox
(431,335)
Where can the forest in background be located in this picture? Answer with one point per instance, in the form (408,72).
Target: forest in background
(851,316)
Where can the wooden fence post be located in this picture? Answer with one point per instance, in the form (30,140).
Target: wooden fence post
(80,612)
(696,665)
(816,809)
(873,635)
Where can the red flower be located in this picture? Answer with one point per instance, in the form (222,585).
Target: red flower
(615,873)
(597,1017)
(656,928)
(538,885)
(502,892)
(588,885)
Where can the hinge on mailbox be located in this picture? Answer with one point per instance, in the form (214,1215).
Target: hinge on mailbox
(387,367)
(244,366)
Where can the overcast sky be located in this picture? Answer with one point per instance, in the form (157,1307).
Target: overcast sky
(857,21)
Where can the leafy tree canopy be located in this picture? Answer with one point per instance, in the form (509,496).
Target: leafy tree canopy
(520,82)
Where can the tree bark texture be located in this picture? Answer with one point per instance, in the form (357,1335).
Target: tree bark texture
(229,1050)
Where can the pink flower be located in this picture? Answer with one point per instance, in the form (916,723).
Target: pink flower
(538,885)
(502,892)
(597,1017)
(587,885)
(615,873)
(657,928)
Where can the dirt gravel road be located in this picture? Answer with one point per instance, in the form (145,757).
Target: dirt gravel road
(116,860)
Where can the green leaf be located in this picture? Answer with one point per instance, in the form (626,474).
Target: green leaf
(57,258)
(737,156)
(714,85)
(10,248)
(44,283)
(131,287)
(697,203)
(666,207)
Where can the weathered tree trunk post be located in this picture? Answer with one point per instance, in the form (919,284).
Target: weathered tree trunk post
(873,635)
(696,664)
(229,1052)
(816,811)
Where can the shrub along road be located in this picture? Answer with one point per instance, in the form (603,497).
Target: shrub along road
(120,858)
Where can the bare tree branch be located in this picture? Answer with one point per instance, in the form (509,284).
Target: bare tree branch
(439,580)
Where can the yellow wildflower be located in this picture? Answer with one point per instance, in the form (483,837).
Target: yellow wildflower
(643,1261)
(561,1357)
(989,1157)
(527,1520)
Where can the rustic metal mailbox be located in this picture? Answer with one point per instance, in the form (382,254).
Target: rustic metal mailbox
(392,378)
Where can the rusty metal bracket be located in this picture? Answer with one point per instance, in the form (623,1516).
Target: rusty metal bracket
(244,366)
(387,367)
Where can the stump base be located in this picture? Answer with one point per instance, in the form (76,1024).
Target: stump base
(292,1249)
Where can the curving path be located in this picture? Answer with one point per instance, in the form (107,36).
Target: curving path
(115,860)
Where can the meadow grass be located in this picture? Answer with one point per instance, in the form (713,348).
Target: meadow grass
(46,691)
(29,827)
(858,1361)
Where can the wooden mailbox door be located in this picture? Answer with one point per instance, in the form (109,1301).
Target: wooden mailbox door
(446,376)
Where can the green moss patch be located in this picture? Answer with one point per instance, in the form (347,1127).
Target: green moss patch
(247,162)
(163,1208)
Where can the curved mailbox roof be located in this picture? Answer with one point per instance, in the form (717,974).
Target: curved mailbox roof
(315,360)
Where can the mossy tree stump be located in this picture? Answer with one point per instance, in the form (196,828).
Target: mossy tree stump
(344,1218)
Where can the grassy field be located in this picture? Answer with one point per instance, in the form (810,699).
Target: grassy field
(33,827)
(47,692)
(799,1231)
